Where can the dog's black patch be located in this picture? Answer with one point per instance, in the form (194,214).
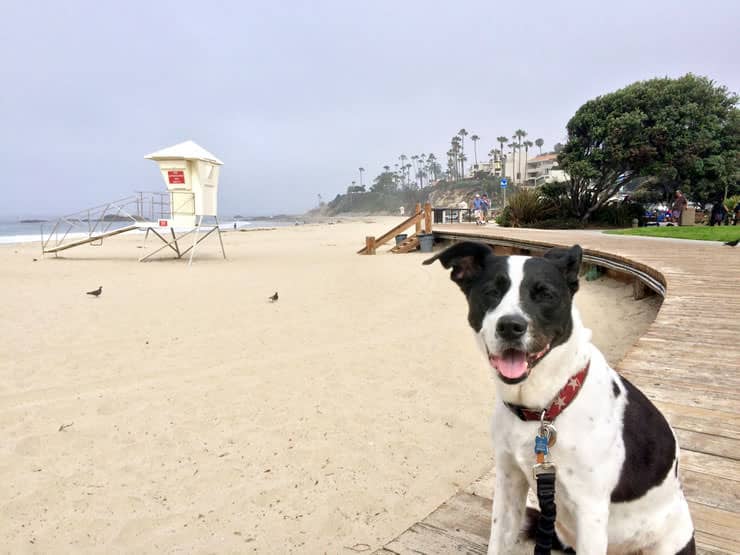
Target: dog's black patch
(689,548)
(615,389)
(650,447)
(481,275)
(546,296)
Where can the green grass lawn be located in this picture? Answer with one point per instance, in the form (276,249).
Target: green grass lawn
(698,232)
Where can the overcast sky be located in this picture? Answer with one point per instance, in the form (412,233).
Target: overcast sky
(295,96)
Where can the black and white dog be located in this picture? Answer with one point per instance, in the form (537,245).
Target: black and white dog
(617,486)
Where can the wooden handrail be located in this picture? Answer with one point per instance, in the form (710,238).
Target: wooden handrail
(371,242)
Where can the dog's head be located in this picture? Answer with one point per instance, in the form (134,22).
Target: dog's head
(519,307)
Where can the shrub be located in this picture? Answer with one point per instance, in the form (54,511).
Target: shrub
(730,203)
(527,207)
(555,195)
(504,218)
(619,214)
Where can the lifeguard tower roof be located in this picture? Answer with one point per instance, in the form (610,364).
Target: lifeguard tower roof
(189,150)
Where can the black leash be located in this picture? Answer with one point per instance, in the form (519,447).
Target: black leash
(546,522)
(544,473)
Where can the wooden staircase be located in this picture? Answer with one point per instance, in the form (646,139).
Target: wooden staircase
(407,245)
(372,243)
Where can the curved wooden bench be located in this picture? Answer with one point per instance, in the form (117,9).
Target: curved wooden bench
(688,364)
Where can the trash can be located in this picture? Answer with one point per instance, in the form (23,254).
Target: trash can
(400,238)
(426,242)
(688,216)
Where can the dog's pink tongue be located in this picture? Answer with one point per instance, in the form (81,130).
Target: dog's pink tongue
(511,364)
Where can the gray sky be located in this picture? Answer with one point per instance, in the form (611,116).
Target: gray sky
(295,96)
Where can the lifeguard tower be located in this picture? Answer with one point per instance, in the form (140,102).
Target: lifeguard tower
(190,204)
(191,175)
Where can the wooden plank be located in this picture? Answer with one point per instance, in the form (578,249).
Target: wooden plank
(716,530)
(77,243)
(710,444)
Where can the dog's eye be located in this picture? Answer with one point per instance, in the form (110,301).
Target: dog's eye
(541,292)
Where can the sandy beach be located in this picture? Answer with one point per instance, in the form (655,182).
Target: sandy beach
(181,412)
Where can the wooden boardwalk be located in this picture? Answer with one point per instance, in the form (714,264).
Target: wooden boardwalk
(688,364)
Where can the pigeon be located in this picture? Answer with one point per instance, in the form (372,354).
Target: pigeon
(274,298)
(97,292)
(728,243)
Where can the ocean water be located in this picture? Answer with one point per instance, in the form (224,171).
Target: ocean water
(16,232)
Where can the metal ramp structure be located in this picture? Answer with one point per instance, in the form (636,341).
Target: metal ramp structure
(144,211)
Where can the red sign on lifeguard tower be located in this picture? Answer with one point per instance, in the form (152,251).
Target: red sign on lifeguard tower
(176,177)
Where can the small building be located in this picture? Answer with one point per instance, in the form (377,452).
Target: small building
(543,169)
(191,175)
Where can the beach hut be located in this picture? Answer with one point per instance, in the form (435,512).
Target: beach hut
(191,175)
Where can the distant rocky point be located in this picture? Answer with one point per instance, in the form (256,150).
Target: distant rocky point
(33,221)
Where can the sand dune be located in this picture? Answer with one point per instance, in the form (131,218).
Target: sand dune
(201,418)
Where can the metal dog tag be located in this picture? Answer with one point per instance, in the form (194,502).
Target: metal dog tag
(550,432)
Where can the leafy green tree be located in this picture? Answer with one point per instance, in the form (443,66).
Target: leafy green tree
(385,183)
(680,132)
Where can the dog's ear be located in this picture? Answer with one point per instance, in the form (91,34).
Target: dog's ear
(568,261)
(467,260)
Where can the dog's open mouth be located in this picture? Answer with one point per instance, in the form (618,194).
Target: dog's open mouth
(514,365)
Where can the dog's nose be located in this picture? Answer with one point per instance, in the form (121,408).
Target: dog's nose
(511,327)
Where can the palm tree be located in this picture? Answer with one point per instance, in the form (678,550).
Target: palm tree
(456,151)
(432,164)
(403,159)
(462,133)
(386,169)
(512,145)
(463,159)
(361,170)
(475,139)
(539,143)
(501,140)
(527,146)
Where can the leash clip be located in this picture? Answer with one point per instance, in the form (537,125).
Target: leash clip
(543,468)
(548,431)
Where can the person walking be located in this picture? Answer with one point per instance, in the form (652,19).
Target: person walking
(478,209)
(485,207)
(718,214)
(679,205)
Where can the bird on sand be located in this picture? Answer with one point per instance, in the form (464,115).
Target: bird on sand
(97,292)
(732,243)
(274,298)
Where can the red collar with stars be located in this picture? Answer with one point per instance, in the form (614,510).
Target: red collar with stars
(564,398)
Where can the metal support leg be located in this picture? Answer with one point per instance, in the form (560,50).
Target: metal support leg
(220,240)
(174,238)
(195,240)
